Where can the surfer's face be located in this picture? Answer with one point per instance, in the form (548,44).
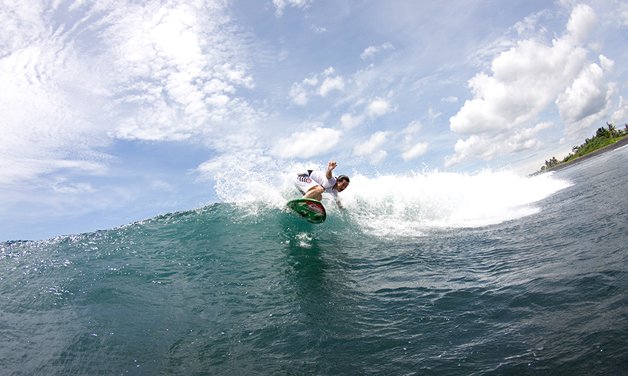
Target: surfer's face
(342,185)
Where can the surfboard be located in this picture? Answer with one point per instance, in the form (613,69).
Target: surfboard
(308,209)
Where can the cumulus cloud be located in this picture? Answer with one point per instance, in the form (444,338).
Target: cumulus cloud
(370,109)
(300,92)
(581,22)
(372,148)
(377,158)
(415,151)
(373,143)
(525,81)
(331,83)
(487,148)
(411,148)
(607,64)
(413,127)
(621,113)
(369,52)
(585,96)
(379,106)
(307,144)
(349,121)
(529,23)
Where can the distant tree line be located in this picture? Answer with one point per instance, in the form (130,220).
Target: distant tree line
(603,137)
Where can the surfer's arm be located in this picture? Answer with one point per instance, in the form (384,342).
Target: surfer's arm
(330,168)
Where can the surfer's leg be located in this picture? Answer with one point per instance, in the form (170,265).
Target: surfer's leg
(315,193)
(304,183)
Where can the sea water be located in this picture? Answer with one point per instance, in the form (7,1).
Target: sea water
(427,273)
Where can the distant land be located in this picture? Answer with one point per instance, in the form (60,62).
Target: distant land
(605,139)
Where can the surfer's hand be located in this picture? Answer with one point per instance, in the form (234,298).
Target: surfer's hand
(330,167)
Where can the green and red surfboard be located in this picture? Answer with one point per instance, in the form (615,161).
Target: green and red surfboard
(308,209)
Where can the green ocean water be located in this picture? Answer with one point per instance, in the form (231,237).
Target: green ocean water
(439,274)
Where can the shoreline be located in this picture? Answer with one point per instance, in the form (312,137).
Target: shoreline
(595,153)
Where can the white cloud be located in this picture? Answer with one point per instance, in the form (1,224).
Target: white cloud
(622,13)
(280,5)
(621,113)
(582,126)
(47,123)
(329,71)
(412,149)
(370,51)
(379,106)
(20,22)
(375,107)
(153,71)
(349,121)
(528,24)
(433,115)
(318,29)
(415,151)
(607,64)
(525,81)
(61,185)
(331,83)
(377,158)
(490,146)
(370,146)
(174,83)
(581,22)
(450,99)
(300,93)
(413,127)
(307,144)
(586,96)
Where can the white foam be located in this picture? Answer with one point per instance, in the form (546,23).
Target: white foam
(410,204)
(406,204)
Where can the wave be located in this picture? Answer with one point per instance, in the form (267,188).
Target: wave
(406,204)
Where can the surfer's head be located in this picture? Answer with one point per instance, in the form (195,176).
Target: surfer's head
(342,182)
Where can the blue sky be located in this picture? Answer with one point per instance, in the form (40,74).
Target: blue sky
(117,111)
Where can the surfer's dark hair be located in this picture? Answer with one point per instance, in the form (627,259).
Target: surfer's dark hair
(343,177)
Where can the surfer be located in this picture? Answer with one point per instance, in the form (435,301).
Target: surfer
(314,183)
